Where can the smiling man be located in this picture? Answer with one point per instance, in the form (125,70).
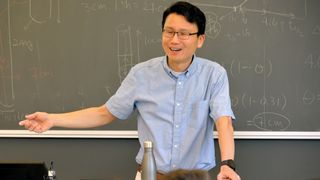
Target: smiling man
(178,97)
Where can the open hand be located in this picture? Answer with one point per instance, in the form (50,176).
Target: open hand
(37,122)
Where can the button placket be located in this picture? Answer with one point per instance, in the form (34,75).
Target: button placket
(177,120)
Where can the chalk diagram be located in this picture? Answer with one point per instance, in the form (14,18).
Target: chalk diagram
(7,74)
(126,53)
(40,17)
(125,50)
(7,95)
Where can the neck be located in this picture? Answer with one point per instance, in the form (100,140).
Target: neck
(179,66)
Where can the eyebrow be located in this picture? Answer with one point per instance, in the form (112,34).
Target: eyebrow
(170,28)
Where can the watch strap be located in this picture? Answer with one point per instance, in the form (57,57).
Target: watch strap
(230,163)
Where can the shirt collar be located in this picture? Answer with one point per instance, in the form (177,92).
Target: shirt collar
(191,69)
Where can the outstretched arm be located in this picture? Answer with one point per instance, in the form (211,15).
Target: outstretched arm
(86,118)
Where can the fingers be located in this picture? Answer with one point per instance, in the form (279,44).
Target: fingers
(28,124)
(36,122)
(220,177)
(32,126)
(27,121)
(22,123)
(31,116)
(228,178)
(38,129)
(232,176)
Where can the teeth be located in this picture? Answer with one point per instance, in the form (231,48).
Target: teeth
(175,49)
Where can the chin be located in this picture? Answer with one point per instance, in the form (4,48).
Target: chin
(174,55)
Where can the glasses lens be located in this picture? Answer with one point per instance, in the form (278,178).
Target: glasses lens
(168,33)
(183,35)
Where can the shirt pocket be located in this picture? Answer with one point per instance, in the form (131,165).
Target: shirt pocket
(197,114)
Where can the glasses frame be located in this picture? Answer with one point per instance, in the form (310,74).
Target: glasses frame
(188,34)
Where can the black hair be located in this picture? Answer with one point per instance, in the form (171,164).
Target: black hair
(184,174)
(192,14)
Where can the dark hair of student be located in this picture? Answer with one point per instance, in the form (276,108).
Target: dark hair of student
(192,14)
(182,174)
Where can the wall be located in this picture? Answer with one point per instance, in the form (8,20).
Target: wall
(114,159)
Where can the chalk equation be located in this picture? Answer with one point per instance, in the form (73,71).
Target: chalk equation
(238,13)
(311,97)
(312,62)
(270,121)
(213,27)
(238,67)
(249,101)
(90,6)
(93,6)
(23,43)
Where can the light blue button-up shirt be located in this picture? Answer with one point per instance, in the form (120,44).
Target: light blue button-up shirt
(175,111)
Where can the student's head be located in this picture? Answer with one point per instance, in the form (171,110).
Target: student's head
(181,174)
(183,28)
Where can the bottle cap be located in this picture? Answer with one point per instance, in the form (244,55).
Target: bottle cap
(148,144)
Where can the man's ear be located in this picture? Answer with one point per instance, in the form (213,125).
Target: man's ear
(201,40)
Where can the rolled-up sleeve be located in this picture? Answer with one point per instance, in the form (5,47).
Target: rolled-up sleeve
(220,103)
(121,104)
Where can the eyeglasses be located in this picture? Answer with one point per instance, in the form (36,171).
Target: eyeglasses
(182,35)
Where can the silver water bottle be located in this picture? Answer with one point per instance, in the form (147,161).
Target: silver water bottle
(148,166)
(51,172)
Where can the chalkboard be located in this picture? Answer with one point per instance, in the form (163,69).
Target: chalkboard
(60,56)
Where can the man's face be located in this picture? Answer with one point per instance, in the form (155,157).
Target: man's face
(178,50)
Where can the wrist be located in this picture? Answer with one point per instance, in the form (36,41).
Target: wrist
(229,162)
(52,119)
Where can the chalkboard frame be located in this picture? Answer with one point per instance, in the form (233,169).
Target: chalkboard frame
(134,134)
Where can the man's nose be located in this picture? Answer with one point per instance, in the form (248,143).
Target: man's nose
(175,37)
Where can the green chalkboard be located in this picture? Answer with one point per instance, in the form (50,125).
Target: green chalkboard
(64,55)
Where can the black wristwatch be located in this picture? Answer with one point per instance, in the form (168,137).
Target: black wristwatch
(230,163)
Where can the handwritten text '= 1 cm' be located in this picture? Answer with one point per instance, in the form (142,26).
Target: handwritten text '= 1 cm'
(270,121)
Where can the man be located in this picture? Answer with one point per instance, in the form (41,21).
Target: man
(179,97)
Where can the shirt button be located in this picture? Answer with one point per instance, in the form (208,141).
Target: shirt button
(175,146)
(178,104)
(173,165)
(179,83)
(177,126)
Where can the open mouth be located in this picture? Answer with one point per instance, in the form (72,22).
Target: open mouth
(175,49)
